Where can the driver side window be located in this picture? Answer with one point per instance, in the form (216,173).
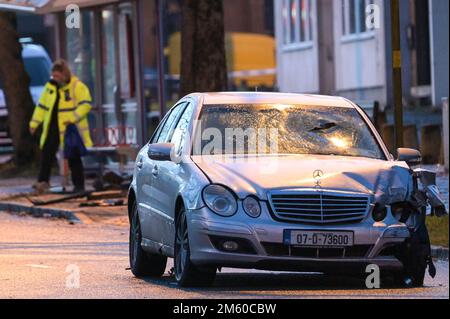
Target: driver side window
(168,126)
(181,131)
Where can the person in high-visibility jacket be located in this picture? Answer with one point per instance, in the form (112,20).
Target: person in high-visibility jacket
(65,100)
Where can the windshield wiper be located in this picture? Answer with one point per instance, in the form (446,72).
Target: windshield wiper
(323,127)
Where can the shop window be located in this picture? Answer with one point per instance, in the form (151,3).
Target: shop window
(80,49)
(127,74)
(108,56)
(148,38)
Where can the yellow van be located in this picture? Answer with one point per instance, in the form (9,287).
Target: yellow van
(250,58)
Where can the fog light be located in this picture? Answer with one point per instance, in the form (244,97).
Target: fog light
(379,214)
(230,246)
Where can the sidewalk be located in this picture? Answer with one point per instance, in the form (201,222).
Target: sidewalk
(11,199)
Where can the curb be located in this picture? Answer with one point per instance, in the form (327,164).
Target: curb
(439,253)
(40,212)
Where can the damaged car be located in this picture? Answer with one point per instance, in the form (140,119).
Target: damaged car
(283,182)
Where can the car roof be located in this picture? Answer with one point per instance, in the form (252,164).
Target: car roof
(34,50)
(221,98)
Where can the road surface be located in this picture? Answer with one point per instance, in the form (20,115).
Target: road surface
(41,258)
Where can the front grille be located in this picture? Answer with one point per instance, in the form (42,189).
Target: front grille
(280,250)
(319,207)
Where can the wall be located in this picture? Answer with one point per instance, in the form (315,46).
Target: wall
(297,66)
(360,61)
(439,11)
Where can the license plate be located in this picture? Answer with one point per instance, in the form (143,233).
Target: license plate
(318,238)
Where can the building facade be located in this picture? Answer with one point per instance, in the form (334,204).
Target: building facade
(343,47)
(125,52)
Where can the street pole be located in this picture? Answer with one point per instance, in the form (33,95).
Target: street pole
(160,55)
(397,73)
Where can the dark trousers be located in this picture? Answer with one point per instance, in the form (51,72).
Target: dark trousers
(48,157)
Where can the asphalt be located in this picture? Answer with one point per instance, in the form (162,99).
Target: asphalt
(40,258)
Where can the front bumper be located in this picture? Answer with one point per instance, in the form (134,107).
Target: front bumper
(264,238)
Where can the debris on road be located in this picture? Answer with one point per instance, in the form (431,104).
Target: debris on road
(105,195)
(104,203)
(112,181)
(59,199)
(87,207)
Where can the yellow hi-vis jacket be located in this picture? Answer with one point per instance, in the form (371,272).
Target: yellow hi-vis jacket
(74,105)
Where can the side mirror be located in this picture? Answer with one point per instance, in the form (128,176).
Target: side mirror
(160,152)
(408,155)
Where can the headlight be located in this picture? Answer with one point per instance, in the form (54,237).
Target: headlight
(379,213)
(220,200)
(252,207)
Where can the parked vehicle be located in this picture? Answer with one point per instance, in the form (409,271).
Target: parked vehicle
(37,64)
(251,59)
(329,197)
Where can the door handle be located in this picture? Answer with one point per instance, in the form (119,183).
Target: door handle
(155,171)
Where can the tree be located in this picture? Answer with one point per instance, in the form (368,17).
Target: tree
(16,84)
(203,61)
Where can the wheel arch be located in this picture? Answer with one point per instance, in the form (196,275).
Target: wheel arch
(131,202)
(178,204)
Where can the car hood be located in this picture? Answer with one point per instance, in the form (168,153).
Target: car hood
(388,180)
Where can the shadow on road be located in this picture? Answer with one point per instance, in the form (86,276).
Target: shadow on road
(230,282)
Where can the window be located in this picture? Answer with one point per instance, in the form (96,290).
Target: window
(108,54)
(169,124)
(301,129)
(179,134)
(297,21)
(80,49)
(354,17)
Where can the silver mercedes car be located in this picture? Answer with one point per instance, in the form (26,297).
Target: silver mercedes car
(281,182)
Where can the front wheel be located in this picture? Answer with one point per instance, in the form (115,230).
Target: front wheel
(142,263)
(186,273)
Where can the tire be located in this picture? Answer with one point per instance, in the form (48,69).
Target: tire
(186,273)
(143,264)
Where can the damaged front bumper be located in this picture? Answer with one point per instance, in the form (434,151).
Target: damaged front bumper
(262,247)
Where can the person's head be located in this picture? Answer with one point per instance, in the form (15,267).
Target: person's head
(61,72)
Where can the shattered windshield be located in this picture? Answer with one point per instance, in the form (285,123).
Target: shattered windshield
(284,129)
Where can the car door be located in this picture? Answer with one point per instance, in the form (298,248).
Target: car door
(170,175)
(148,193)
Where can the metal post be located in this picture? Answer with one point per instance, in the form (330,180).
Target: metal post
(141,131)
(397,73)
(160,50)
